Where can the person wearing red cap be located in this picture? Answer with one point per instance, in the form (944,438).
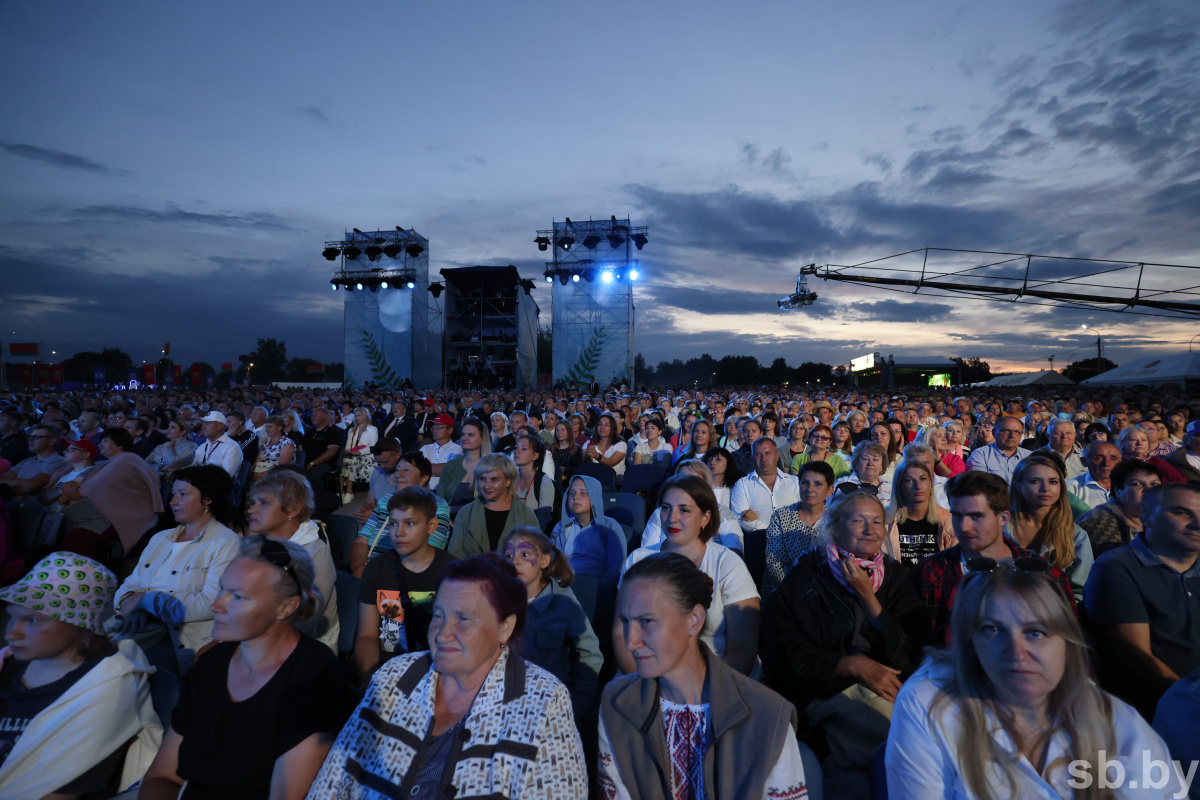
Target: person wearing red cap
(80,456)
(443,449)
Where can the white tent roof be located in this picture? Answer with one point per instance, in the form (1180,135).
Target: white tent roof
(1152,371)
(1042,378)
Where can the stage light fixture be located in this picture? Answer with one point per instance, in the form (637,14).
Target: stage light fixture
(393,250)
(373,252)
(331,253)
(383,284)
(549,279)
(373,287)
(352,252)
(606,276)
(589,275)
(349,288)
(639,240)
(542,242)
(634,274)
(615,241)
(616,276)
(414,250)
(590,242)
(411,285)
(436,289)
(565,242)
(333,285)
(575,278)
(563,278)
(358,286)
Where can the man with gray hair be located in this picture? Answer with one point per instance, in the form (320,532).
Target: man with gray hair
(1187,458)
(1062,443)
(1094,485)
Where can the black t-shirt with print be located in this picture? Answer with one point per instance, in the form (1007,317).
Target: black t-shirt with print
(403,599)
(918,539)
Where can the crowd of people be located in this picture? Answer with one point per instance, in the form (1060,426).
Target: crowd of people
(772,593)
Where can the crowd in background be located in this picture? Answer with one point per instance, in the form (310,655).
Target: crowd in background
(621,593)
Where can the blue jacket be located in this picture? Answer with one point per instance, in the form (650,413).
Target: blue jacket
(559,639)
(596,549)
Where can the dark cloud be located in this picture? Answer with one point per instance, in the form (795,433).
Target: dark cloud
(776,163)
(313,113)
(901,311)
(173,215)
(702,300)
(1178,197)
(951,179)
(60,159)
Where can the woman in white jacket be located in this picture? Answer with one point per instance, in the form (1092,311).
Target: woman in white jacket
(165,605)
(72,705)
(280,505)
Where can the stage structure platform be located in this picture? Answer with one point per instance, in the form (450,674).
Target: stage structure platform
(392,323)
(592,272)
(491,328)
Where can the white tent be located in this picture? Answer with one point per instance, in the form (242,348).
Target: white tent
(1043,378)
(1181,368)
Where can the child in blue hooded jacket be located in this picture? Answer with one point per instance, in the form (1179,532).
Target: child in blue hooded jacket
(593,544)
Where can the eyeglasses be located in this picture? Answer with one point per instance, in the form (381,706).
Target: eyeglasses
(1030,564)
(821,438)
(276,554)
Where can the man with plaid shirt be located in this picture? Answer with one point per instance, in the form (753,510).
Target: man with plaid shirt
(979,510)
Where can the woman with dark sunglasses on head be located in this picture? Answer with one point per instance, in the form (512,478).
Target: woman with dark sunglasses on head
(259,711)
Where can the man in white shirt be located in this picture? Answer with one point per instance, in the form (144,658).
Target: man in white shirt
(755,497)
(1093,486)
(1001,456)
(442,449)
(217,448)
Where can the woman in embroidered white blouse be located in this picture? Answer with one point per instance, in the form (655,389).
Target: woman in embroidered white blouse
(1010,709)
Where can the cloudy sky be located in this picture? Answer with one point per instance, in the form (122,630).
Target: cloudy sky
(170,172)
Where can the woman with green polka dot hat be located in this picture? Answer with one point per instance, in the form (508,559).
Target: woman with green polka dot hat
(72,704)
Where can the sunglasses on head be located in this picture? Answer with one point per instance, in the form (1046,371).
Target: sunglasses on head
(1024,564)
(277,555)
(851,488)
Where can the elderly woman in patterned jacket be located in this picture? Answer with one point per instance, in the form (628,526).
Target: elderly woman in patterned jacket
(470,718)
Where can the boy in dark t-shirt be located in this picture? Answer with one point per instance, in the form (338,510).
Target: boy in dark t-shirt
(395,599)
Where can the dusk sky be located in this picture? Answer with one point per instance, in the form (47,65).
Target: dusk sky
(170,172)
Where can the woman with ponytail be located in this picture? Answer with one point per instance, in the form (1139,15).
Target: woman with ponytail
(559,638)
(259,711)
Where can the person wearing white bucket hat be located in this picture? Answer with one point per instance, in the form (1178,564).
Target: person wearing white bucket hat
(71,704)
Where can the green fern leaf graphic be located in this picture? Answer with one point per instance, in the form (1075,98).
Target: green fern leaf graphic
(381,371)
(585,367)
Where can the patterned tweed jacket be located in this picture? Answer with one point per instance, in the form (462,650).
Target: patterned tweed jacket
(518,741)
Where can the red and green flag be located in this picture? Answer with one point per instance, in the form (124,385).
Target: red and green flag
(227,366)
(316,369)
(31,349)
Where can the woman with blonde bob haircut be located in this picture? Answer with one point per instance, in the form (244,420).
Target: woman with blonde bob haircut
(1010,709)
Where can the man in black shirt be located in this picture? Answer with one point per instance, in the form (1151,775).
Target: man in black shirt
(395,600)
(320,445)
(236,429)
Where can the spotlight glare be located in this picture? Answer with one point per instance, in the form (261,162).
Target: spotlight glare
(575,278)
(383,284)
(634,274)
(549,279)
(606,276)
(333,286)
(358,286)
(411,285)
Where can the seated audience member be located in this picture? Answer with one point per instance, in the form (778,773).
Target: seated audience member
(868,474)
(1041,518)
(484,522)
(80,459)
(14,448)
(274,448)
(1116,522)
(653,450)
(123,500)
(1177,720)
(217,448)
(755,497)
(1096,432)
(279,506)
(534,486)
(606,447)
(1062,443)
(1160,445)
(441,450)
(75,712)
(820,439)
(793,529)
(691,518)
(730,532)
(947,463)
(176,453)
(1143,599)
(842,445)
(235,429)
(797,442)
(1002,455)
(386,453)
(749,432)
(663,727)
(593,544)
(1093,486)
(139,429)
(724,477)
(918,525)
(499,431)
(848,626)
(293,426)
(1186,458)
(1135,446)
(413,469)
(395,599)
(259,711)
(980,512)
(321,445)
(401,427)
(457,485)
(565,453)
(409,731)
(32,474)
(881,434)
(702,437)
(560,639)
(165,605)
(1007,709)
(357,464)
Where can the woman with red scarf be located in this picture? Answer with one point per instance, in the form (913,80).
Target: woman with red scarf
(849,626)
